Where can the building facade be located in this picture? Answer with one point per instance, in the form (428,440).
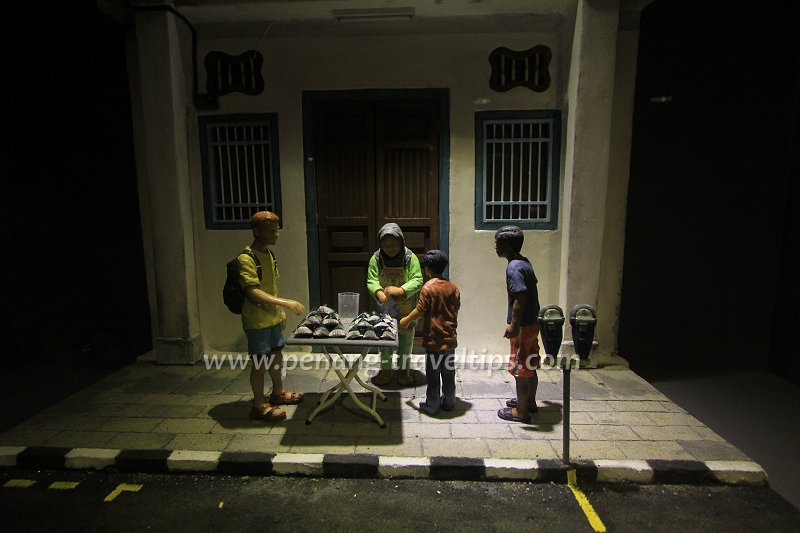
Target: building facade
(450,118)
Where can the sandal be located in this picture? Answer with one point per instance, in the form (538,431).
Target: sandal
(286,398)
(382,378)
(513,403)
(506,413)
(267,413)
(427,409)
(445,406)
(405,379)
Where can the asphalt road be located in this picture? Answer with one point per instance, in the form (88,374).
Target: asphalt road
(140,502)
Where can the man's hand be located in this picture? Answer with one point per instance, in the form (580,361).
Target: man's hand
(283,318)
(404,322)
(380,296)
(512,330)
(295,306)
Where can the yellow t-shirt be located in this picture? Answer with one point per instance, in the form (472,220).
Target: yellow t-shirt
(256,316)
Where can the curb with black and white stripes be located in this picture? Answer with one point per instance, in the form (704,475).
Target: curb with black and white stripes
(747,473)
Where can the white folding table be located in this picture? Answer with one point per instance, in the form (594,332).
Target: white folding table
(333,347)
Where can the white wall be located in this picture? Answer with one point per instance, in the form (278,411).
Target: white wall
(457,62)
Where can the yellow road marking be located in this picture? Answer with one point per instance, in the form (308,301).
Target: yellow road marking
(583,501)
(19,483)
(120,488)
(221,504)
(63,485)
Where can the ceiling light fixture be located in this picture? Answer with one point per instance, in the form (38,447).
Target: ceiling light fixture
(378,13)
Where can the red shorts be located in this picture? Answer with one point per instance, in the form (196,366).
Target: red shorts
(524,358)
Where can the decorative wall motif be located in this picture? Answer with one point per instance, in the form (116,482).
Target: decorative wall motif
(229,74)
(529,68)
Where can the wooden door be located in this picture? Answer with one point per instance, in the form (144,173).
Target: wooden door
(375,162)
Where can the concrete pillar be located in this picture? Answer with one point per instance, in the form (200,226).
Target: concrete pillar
(590,93)
(164,97)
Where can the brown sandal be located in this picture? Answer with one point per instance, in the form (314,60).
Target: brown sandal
(382,378)
(405,379)
(267,413)
(286,398)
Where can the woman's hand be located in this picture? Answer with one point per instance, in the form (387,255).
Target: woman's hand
(395,292)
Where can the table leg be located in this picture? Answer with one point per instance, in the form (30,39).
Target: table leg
(352,372)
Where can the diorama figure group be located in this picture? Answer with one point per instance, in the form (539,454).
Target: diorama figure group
(394,279)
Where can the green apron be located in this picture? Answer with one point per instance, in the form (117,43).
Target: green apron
(396,276)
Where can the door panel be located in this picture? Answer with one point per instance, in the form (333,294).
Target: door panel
(345,176)
(376,162)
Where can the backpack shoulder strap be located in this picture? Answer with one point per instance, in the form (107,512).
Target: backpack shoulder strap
(250,254)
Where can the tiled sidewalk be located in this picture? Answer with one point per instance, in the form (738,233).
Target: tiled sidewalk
(616,419)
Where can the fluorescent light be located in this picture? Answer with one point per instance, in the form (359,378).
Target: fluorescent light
(378,13)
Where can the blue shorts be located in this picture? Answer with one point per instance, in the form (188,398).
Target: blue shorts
(264,340)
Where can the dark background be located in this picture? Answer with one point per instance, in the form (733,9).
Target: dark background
(74,294)
(711,260)
(711,255)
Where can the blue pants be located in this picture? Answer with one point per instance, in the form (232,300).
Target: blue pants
(440,366)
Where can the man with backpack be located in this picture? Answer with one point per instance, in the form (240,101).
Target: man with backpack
(263,317)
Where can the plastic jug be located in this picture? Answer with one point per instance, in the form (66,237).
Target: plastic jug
(348,304)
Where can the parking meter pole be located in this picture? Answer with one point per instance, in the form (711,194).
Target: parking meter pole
(551,324)
(565,438)
(583,320)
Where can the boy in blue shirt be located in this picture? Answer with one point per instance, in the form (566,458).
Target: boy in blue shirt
(522,329)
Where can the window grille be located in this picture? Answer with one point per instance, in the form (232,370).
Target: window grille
(517,155)
(240,168)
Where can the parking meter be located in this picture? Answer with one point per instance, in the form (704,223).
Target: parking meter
(551,324)
(583,320)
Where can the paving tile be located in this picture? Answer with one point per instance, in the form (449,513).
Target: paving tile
(520,449)
(141,441)
(326,444)
(603,432)
(122,425)
(81,439)
(436,431)
(122,410)
(163,383)
(204,384)
(713,451)
(455,447)
(185,425)
(411,447)
(367,428)
(164,399)
(707,434)
(117,397)
(666,433)
(627,385)
(487,431)
(536,431)
(214,399)
(593,449)
(174,411)
(674,419)
(27,437)
(236,427)
(259,443)
(590,405)
(666,450)
(619,418)
(637,406)
(64,423)
(195,441)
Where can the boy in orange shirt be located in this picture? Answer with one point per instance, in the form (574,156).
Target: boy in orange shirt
(439,302)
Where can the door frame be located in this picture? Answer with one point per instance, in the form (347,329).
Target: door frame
(442,96)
